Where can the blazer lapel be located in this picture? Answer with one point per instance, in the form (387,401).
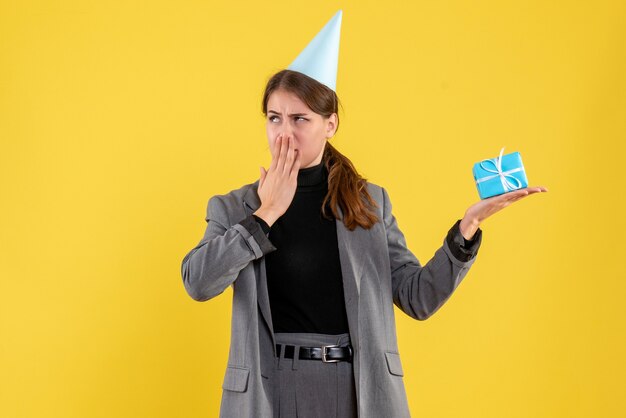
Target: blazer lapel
(252,203)
(351,269)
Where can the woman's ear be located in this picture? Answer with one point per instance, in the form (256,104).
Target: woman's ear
(331,125)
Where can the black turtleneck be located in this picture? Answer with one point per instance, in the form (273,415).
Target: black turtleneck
(304,278)
(301,252)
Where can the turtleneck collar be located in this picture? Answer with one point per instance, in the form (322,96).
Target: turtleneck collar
(312,177)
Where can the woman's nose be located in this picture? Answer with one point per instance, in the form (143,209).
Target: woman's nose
(285,135)
(286,131)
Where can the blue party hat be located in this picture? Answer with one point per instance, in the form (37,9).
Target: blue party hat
(319,59)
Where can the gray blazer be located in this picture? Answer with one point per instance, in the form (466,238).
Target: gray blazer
(378,271)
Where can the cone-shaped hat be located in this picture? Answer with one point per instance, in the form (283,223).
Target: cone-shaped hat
(319,59)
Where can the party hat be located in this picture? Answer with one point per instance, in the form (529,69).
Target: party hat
(319,59)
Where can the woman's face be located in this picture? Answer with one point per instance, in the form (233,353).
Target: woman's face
(288,115)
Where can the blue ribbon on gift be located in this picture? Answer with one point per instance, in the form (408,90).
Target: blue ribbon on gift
(497,162)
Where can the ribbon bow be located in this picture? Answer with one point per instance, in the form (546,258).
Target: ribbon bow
(497,162)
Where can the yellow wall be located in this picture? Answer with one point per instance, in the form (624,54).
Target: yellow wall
(118,121)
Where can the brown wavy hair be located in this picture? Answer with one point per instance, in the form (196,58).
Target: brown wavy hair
(346,187)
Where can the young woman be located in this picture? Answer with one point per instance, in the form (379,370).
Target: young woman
(317,262)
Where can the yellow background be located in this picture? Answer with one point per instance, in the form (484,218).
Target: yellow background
(119,120)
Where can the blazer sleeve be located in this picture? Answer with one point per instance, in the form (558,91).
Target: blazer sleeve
(214,264)
(461,248)
(419,291)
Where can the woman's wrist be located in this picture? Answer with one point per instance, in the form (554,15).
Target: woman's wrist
(468,227)
(268,215)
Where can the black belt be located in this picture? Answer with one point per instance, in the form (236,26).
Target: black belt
(326,353)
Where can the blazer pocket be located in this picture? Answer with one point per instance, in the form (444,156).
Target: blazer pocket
(393,363)
(236,378)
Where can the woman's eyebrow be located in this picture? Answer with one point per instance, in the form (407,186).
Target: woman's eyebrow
(293,114)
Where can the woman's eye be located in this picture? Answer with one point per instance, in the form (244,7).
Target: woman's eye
(271,118)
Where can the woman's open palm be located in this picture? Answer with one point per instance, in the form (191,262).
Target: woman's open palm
(487,207)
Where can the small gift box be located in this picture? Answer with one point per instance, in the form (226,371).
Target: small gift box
(503,174)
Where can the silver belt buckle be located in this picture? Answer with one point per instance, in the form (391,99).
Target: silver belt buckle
(325,353)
